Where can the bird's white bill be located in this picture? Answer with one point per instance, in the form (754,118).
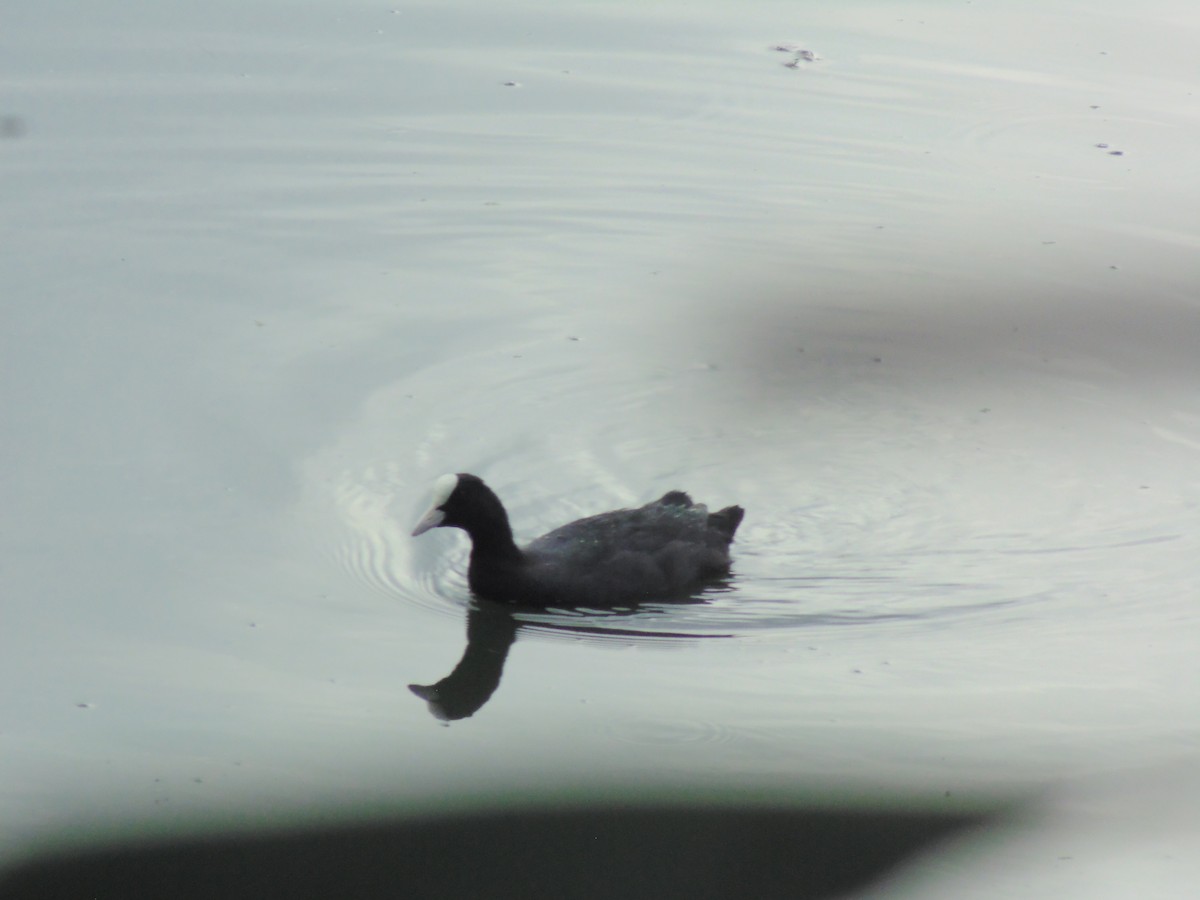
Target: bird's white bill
(431,519)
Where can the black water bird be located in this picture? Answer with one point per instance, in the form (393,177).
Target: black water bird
(664,550)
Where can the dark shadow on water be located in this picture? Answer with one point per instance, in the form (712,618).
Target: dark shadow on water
(492,630)
(630,850)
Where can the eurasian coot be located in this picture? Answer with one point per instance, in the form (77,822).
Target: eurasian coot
(663,550)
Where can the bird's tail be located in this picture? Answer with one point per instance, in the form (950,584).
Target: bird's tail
(726,521)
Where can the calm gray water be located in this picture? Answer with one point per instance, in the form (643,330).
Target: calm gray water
(925,304)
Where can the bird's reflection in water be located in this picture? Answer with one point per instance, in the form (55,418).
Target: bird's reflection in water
(491,630)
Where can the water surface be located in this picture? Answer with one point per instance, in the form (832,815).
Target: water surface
(924,304)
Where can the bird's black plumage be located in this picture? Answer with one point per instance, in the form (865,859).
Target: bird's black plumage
(663,550)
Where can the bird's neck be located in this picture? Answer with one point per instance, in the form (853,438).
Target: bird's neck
(495,543)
